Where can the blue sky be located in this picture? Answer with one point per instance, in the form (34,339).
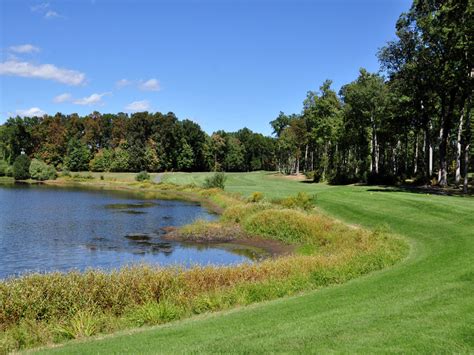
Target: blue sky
(224,64)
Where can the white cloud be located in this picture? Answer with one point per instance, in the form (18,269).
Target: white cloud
(122,83)
(24,48)
(31,112)
(40,7)
(45,10)
(150,85)
(94,99)
(135,106)
(51,14)
(42,71)
(62,98)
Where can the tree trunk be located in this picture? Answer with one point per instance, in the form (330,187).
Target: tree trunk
(415,162)
(467,146)
(306,158)
(446,122)
(405,165)
(442,157)
(430,160)
(427,147)
(457,178)
(374,164)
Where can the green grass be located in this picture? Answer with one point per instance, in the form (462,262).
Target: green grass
(424,304)
(6,180)
(111,176)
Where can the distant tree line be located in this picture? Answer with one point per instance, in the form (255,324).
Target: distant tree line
(137,142)
(413,119)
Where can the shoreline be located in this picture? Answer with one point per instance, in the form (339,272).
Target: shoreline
(270,247)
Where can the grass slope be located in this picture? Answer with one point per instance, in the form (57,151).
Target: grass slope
(424,304)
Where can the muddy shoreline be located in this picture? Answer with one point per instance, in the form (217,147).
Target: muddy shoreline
(273,248)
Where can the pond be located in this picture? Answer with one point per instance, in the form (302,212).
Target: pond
(46,228)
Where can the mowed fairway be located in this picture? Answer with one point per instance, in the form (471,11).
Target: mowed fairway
(423,304)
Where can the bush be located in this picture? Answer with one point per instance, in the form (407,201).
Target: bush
(9,171)
(21,168)
(317,176)
(81,177)
(382,179)
(300,200)
(142,176)
(256,196)
(3,167)
(39,170)
(215,181)
(120,160)
(65,172)
(289,226)
(343,176)
(102,161)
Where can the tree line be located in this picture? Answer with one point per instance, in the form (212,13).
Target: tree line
(137,142)
(412,119)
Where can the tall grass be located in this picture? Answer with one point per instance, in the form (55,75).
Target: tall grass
(38,309)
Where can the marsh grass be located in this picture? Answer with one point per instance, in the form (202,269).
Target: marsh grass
(201,231)
(48,308)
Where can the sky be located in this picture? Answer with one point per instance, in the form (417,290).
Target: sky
(223,64)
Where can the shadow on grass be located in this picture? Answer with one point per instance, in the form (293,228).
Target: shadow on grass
(432,190)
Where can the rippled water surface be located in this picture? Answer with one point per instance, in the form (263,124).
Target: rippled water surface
(44,228)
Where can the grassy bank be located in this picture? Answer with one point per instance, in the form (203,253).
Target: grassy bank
(6,180)
(41,309)
(424,304)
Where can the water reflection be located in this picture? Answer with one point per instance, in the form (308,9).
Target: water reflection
(44,228)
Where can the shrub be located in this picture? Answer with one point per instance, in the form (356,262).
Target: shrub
(344,175)
(65,172)
(142,176)
(39,170)
(3,167)
(256,197)
(215,181)
(120,160)
(289,226)
(240,211)
(82,324)
(202,231)
(155,313)
(21,167)
(102,160)
(317,176)
(300,200)
(9,171)
(382,179)
(309,174)
(83,177)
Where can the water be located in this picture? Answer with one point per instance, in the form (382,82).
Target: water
(44,228)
